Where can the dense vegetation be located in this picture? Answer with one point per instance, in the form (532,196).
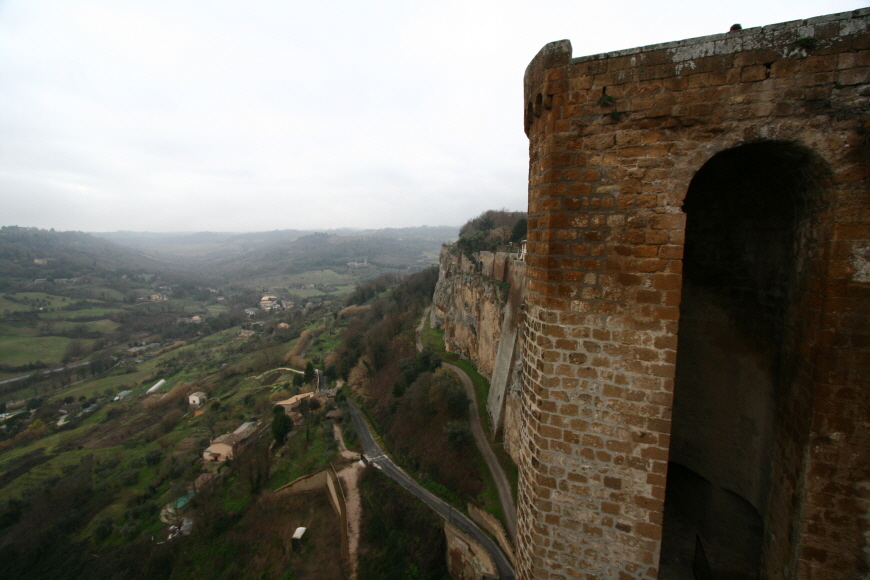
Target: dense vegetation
(421,410)
(491,230)
(402,538)
(93,470)
(66,255)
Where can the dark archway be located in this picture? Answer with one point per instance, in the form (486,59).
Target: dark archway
(749,239)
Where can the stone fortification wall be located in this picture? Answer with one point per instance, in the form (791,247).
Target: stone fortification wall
(492,525)
(699,225)
(466,558)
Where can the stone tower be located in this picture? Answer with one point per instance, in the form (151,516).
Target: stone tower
(696,376)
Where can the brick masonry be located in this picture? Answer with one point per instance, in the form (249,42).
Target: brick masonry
(615,141)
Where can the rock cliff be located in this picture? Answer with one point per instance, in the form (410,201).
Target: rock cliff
(479,305)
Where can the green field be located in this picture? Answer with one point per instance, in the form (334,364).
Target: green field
(41,298)
(104,325)
(293,281)
(85,313)
(103,293)
(22,350)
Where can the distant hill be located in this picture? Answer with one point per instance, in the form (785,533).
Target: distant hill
(199,245)
(27,254)
(31,253)
(288,251)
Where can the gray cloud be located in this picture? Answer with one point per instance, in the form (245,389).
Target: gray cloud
(216,115)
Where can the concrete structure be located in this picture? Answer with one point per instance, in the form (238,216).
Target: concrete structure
(197,399)
(697,354)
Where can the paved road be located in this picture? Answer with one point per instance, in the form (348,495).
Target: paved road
(505,495)
(446,511)
(45,372)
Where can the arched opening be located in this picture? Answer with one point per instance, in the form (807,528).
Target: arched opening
(749,238)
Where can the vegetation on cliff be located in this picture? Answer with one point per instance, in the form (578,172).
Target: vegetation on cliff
(402,537)
(491,229)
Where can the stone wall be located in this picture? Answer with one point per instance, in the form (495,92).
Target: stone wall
(466,558)
(697,292)
(493,526)
(327,480)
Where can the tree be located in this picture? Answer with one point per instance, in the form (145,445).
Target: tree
(74,350)
(255,466)
(458,434)
(486,224)
(519,231)
(281,424)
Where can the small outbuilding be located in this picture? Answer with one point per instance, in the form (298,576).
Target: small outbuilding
(197,399)
(71,408)
(297,537)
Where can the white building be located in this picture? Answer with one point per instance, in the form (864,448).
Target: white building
(197,399)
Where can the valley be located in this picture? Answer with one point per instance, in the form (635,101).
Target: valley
(118,383)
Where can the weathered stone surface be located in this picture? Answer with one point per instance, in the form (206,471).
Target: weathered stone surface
(773,405)
(696,295)
(466,558)
(469,305)
(480,307)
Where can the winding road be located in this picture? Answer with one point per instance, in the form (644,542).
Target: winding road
(380,460)
(501,482)
(502,485)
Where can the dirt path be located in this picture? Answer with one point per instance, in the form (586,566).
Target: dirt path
(498,475)
(277,369)
(501,482)
(349,475)
(419,331)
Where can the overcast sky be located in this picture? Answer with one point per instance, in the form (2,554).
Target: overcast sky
(189,115)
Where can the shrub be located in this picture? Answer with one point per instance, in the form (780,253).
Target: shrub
(130,477)
(153,457)
(459,434)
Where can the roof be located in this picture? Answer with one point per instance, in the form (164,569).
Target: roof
(228,439)
(197,394)
(245,430)
(295,399)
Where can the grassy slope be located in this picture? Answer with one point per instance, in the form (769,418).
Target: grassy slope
(434,339)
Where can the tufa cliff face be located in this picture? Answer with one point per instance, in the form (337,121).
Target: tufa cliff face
(479,305)
(469,305)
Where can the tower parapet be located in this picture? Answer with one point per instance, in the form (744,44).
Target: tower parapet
(696,306)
